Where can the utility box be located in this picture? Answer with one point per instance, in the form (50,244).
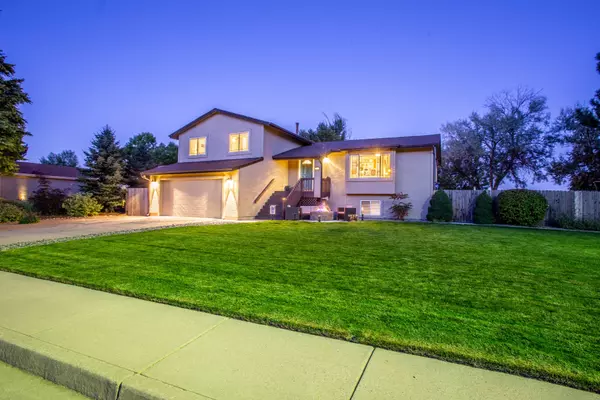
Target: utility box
(293,213)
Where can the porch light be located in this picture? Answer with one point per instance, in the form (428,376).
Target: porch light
(229,183)
(154,185)
(306,162)
(326,160)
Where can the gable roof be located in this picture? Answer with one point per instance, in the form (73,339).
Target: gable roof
(202,166)
(321,149)
(216,111)
(30,168)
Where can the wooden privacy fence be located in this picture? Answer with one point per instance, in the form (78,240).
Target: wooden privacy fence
(576,205)
(137,201)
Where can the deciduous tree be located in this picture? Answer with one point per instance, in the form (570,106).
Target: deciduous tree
(511,141)
(579,129)
(66,158)
(138,155)
(328,130)
(142,153)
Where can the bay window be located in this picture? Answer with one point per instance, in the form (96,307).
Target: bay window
(370,166)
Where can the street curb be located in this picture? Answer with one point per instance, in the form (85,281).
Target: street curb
(139,387)
(88,376)
(91,377)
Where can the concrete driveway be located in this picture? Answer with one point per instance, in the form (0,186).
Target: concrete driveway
(66,228)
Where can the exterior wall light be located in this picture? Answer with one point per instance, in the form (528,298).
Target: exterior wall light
(229,183)
(154,185)
(326,160)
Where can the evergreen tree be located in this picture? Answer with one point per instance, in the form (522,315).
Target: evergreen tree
(12,123)
(103,175)
(440,207)
(484,209)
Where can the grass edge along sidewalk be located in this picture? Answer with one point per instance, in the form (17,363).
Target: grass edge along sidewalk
(519,301)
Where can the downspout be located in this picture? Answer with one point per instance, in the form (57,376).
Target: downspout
(435,167)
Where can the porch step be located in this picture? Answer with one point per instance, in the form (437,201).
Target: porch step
(275,199)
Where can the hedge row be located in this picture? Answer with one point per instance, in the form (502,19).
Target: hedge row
(512,207)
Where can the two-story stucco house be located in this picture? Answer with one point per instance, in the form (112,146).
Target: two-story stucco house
(236,167)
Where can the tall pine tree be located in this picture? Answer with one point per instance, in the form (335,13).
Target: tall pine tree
(103,175)
(12,123)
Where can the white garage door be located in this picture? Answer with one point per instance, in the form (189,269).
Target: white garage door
(191,198)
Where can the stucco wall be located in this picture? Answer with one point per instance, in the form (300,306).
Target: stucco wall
(217,129)
(413,173)
(293,172)
(21,187)
(255,177)
(415,177)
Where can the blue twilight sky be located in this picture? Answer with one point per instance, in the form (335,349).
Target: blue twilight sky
(391,68)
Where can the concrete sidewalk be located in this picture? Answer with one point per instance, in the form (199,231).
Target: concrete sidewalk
(113,347)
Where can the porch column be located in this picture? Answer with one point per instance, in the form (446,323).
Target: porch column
(153,197)
(318,175)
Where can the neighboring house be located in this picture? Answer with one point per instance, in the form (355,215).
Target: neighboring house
(235,167)
(25,181)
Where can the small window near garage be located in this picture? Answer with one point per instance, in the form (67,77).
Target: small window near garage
(239,142)
(198,146)
(370,208)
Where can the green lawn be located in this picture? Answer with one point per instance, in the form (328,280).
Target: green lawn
(519,300)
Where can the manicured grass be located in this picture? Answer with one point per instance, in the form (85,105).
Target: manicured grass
(519,300)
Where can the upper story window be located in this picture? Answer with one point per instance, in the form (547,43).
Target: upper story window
(239,142)
(198,146)
(370,166)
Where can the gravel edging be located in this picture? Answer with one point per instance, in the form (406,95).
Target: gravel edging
(42,242)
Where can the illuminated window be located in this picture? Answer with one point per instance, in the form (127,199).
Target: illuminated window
(238,142)
(370,207)
(198,146)
(370,165)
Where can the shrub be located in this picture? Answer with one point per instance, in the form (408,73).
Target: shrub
(440,207)
(81,205)
(10,212)
(483,213)
(521,207)
(29,218)
(23,205)
(400,208)
(567,222)
(47,200)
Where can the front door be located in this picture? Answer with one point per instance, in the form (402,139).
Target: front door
(307,171)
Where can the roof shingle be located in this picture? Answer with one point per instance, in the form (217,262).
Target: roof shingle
(47,170)
(216,111)
(202,166)
(321,149)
